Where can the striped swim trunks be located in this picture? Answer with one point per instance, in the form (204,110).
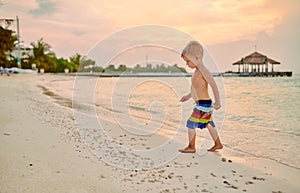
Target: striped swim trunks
(202,115)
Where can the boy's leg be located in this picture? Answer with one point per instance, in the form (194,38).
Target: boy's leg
(214,134)
(192,142)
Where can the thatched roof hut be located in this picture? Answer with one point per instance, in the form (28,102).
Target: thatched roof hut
(257,61)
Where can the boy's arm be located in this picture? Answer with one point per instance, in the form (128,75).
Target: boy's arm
(210,80)
(185,97)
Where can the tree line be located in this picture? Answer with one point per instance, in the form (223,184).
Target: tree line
(39,53)
(148,68)
(42,56)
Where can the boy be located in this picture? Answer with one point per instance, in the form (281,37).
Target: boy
(201,116)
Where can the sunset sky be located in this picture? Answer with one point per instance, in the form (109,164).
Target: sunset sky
(229,29)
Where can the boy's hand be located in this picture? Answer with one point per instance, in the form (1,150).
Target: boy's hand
(185,98)
(217,105)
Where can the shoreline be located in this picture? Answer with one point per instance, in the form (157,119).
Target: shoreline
(181,74)
(42,145)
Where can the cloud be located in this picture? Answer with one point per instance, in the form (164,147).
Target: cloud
(211,21)
(45,7)
(75,26)
(79,33)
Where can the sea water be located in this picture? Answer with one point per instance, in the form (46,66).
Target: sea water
(263,117)
(260,116)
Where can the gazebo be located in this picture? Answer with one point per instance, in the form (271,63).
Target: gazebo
(255,63)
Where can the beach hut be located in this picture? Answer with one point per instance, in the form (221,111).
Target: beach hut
(256,63)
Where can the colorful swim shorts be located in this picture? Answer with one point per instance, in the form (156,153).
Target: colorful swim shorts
(202,115)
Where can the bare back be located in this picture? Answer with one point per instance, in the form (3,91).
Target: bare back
(199,88)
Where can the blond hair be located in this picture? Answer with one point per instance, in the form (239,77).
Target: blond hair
(193,48)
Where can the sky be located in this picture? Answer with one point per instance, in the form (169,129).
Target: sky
(228,29)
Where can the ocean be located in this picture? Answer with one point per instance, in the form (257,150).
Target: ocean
(260,116)
(263,117)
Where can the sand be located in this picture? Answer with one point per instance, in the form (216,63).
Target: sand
(41,151)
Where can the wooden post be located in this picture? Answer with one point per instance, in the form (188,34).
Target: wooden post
(19,43)
(266,62)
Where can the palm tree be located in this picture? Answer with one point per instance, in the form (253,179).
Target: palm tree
(75,61)
(42,55)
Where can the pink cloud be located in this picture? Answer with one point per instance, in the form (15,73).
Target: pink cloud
(75,26)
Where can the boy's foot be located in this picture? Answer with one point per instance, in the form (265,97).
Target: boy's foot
(187,150)
(215,147)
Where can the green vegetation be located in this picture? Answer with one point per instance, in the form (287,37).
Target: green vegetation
(43,57)
(147,68)
(7,40)
(39,53)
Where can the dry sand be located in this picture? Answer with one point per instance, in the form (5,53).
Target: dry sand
(41,151)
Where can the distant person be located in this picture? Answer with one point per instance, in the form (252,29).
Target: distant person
(6,71)
(202,112)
